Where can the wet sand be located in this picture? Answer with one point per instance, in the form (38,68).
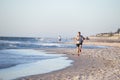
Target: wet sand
(92,64)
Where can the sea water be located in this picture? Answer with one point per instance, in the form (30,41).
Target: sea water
(25,62)
(33,43)
(18,57)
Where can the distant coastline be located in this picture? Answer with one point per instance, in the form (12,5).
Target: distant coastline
(110,35)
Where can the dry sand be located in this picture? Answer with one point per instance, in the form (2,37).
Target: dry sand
(92,64)
(113,44)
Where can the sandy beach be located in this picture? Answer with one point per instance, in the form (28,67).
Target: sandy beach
(92,64)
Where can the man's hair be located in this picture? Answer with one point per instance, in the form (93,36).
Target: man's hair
(79,32)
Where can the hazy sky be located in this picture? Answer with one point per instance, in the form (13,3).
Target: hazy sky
(58,17)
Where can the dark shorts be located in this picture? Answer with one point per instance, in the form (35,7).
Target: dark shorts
(59,39)
(79,44)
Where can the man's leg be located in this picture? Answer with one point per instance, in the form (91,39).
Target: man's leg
(78,50)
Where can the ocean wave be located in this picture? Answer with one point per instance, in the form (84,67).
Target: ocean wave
(32,43)
(39,67)
(12,57)
(29,52)
(12,42)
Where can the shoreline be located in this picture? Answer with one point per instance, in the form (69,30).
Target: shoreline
(92,64)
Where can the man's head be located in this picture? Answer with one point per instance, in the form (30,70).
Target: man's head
(79,33)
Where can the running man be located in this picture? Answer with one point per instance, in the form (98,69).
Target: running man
(79,41)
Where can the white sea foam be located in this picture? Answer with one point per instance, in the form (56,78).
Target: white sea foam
(40,67)
(51,44)
(29,52)
(12,42)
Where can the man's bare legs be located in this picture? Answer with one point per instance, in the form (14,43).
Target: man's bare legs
(80,47)
(78,50)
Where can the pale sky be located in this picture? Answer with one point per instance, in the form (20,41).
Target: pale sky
(50,18)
